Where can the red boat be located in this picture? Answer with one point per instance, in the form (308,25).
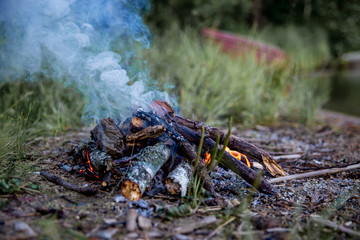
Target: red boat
(242,46)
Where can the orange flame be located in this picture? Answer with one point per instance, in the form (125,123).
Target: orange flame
(235,154)
(89,163)
(238,156)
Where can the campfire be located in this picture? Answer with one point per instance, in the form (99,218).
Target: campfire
(158,144)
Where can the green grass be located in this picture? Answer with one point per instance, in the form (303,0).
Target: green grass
(211,86)
(29,110)
(307,47)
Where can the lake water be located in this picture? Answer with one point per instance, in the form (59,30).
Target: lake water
(344,90)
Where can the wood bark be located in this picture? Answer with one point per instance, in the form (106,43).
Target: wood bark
(315,173)
(237,144)
(65,184)
(178,180)
(100,161)
(149,132)
(143,171)
(186,149)
(109,138)
(229,161)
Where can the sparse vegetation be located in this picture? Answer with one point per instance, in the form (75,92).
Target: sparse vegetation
(29,110)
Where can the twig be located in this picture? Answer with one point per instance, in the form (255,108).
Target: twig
(314,173)
(61,182)
(213,233)
(191,227)
(289,156)
(336,226)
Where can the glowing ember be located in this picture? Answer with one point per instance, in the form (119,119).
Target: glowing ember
(91,169)
(241,157)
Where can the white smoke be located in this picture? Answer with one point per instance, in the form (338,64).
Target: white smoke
(89,44)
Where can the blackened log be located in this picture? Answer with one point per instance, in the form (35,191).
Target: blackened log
(183,144)
(235,143)
(65,184)
(178,180)
(186,149)
(163,109)
(144,169)
(109,138)
(149,132)
(229,161)
(100,161)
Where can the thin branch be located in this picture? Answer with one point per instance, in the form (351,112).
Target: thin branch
(213,233)
(65,184)
(335,226)
(314,173)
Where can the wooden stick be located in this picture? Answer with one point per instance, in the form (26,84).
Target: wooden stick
(237,144)
(213,233)
(131,220)
(149,132)
(336,226)
(229,161)
(65,184)
(109,138)
(193,226)
(289,156)
(185,147)
(143,171)
(178,180)
(314,173)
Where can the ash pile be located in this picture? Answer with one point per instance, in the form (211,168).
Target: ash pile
(158,151)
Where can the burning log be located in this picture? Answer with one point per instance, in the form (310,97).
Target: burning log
(100,161)
(185,147)
(109,138)
(143,171)
(229,161)
(177,182)
(237,144)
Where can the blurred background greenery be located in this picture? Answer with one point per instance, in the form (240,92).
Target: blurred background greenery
(208,84)
(337,19)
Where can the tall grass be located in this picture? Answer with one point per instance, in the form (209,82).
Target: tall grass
(211,86)
(307,47)
(29,110)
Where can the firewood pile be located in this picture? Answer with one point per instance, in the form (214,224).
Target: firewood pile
(158,144)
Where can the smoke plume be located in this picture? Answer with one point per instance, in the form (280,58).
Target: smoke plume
(88,44)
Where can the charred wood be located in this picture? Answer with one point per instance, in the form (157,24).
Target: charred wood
(186,149)
(148,132)
(237,144)
(109,138)
(185,146)
(229,161)
(65,184)
(163,109)
(100,161)
(143,171)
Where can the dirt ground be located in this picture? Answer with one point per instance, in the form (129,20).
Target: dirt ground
(325,207)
